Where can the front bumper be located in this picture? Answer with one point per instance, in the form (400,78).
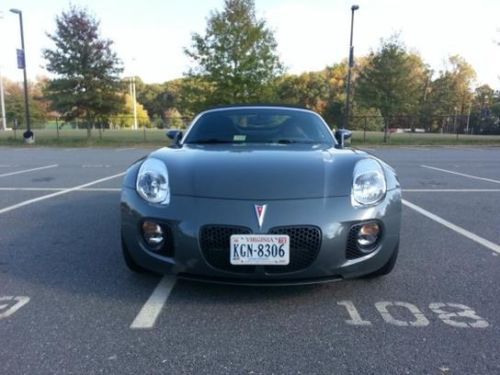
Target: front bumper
(185,216)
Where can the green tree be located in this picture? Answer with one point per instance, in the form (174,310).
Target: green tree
(157,98)
(321,91)
(126,119)
(450,94)
(392,81)
(87,83)
(14,104)
(237,55)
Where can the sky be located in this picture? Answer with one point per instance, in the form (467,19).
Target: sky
(149,35)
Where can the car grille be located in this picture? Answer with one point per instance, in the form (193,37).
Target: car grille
(305,243)
(215,242)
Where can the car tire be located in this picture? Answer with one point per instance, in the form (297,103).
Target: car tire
(386,268)
(129,261)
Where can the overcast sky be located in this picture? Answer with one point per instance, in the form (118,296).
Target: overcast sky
(149,35)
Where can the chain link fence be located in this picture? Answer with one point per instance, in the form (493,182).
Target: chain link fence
(117,128)
(367,129)
(456,125)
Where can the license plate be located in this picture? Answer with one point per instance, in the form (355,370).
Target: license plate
(260,249)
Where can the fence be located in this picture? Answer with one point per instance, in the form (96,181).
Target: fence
(456,125)
(116,128)
(367,129)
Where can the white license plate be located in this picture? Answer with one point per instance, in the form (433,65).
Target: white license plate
(260,249)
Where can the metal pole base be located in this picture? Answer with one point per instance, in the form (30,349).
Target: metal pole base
(29,137)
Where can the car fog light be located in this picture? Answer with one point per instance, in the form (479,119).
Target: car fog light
(368,236)
(153,234)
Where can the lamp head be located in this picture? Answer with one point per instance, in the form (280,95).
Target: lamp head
(354,7)
(16,11)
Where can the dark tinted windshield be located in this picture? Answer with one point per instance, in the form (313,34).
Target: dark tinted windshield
(259,125)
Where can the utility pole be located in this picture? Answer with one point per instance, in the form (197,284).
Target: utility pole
(21,64)
(134,103)
(351,64)
(468,119)
(2,101)
(2,97)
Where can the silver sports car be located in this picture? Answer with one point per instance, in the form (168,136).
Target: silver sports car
(260,195)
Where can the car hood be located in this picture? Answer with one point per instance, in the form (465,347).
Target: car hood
(262,172)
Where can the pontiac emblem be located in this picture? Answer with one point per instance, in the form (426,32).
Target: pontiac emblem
(260,211)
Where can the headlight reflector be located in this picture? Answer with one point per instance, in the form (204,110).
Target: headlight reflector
(368,187)
(152,182)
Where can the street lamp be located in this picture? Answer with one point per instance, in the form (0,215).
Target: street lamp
(351,64)
(2,99)
(2,103)
(21,64)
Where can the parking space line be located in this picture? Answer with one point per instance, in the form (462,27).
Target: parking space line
(152,308)
(58,193)
(29,170)
(461,174)
(125,149)
(54,189)
(474,237)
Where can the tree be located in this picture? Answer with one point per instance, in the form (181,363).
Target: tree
(125,119)
(14,104)
(321,91)
(392,81)
(156,98)
(237,55)
(450,93)
(87,71)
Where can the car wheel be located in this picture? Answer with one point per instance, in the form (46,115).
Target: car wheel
(129,261)
(386,268)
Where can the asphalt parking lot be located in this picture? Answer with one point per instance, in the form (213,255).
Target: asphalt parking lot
(68,305)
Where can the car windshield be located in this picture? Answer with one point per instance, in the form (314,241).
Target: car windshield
(259,125)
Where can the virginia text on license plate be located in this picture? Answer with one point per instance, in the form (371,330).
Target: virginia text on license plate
(260,249)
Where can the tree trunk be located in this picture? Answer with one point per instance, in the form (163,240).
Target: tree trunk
(386,123)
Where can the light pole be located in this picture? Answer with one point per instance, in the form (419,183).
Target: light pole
(2,98)
(134,103)
(28,134)
(351,64)
(2,102)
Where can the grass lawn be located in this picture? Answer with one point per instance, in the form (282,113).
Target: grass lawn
(79,138)
(157,137)
(377,138)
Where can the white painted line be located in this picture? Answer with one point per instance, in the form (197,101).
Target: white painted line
(29,170)
(461,174)
(474,237)
(58,193)
(451,190)
(125,149)
(19,302)
(55,189)
(152,308)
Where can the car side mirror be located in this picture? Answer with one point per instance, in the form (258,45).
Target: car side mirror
(341,135)
(175,135)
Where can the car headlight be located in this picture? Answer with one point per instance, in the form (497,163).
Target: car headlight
(368,186)
(152,182)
